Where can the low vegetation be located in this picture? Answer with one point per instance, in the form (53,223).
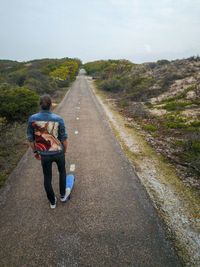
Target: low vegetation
(21,85)
(163,99)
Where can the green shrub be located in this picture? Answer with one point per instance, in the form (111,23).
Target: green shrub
(195,124)
(175,118)
(155,135)
(176,105)
(191,129)
(180,96)
(150,127)
(3,178)
(175,125)
(17,103)
(124,104)
(149,104)
(162,62)
(111,85)
(179,143)
(128,125)
(195,147)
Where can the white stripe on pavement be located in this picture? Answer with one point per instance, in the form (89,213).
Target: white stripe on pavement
(72,167)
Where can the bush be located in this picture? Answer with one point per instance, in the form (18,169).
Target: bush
(124,104)
(180,96)
(195,147)
(163,62)
(176,105)
(175,125)
(111,85)
(175,118)
(17,103)
(195,124)
(150,128)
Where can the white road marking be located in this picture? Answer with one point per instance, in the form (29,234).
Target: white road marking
(76,132)
(77,118)
(72,167)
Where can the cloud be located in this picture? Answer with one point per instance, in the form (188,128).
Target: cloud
(148,48)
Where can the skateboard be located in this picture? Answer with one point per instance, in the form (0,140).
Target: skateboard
(69,183)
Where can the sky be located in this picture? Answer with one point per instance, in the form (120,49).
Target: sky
(137,30)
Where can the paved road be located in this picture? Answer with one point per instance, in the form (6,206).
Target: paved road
(109,220)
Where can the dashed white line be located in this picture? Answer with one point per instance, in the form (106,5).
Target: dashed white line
(72,167)
(76,132)
(77,118)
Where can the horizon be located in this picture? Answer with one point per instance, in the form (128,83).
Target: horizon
(24,61)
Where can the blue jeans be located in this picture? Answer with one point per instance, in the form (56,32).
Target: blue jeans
(46,161)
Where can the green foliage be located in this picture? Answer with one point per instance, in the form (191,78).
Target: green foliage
(163,62)
(175,118)
(175,125)
(105,69)
(149,104)
(195,124)
(3,178)
(150,127)
(124,104)
(168,79)
(41,76)
(111,85)
(17,103)
(61,73)
(179,143)
(176,105)
(67,71)
(128,125)
(180,96)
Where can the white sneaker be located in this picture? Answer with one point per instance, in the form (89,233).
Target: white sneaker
(67,193)
(53,206)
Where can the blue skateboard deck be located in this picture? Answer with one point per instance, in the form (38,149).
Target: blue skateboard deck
(69,183)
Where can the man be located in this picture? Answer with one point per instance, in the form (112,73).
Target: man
(47,137)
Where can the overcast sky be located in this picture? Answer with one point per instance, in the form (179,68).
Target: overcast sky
(138,30)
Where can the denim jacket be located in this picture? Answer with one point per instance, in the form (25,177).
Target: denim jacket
(48,131)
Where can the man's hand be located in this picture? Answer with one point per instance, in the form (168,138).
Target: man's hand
(65,145)
(37,156)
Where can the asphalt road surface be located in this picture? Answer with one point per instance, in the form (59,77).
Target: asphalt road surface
(109,220)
